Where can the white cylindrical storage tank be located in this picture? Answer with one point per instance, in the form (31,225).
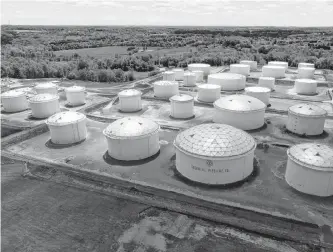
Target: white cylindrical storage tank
(305,72)
(169,76)
(209,92)
(67,127)
(132,138)
(273,71)
(310,169)
(189,79)
(241,111)
(240,69)
(305,86)
(179,73)
(261,93)
(182,106)
(198,75)
(268,82)
(214,154)
(75,95)
(228,81)
(14,101)
(303,64)
(279,63)
(44,105)
(253,64)
(306,119)
(130,100)
(201,67)
(46,88)
(166,89)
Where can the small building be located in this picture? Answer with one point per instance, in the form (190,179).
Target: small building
(47,88)
(189,79)
(214,154)
(310,169)
(14,101)
(228,81)
(201,67)
(166,89)
(243,69)
(253,64)
(182,106)
(261,93)
(44,105)
(132,138)
(268,82)
(209,92)
(130,100)
(305,86)
(277,72)
(306,119)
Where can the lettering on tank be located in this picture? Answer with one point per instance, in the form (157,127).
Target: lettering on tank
(210,170)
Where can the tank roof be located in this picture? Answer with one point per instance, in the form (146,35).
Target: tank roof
(215,141)
(240,65)
(43,98)
(209,86)
(64,118)
(306,109)
(189,74)
(306,80)
(13,93)
(239,103)
(165,83)
(199,65)
(307,67)
(266,78)
(273,67)
(258,89)
(278,62)
(178,70)
(168,72)
(129,93)
(227,76)
(132,127)
(75,89)
(312,155)
(181,98)
(45,85)
(248,61)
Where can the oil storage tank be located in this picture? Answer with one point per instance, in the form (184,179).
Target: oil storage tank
(306,86)
(14,101)
(47,88)
(130,100)
(166,89)
(310,169)
(169,76)
(201,67)
(306,119)
(189,79)
(214,154)
(243,69)
(209,92)
(179,74)
(303,64)
(279,63)
(305,72)
(199,75)
(132,138)
(75,95)
(67,127)
(228,81)
(268,82)
(253,64)
(182,106)
(44,105)
(261,93)
(241,111)
(273,71)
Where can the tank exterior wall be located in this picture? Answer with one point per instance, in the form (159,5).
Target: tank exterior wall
(305,73)
(14,104)
(228,84)
(240,70)
(214,171)
(305,88)
(282,64)
(189,80)
(133,149)
(76,98)
(208,95)
(306,65)
(169,76)
(252,64)
(269,83)
(179,75)
(244,121)
(262,96)
(68,134)
(309,181)
(165,91)
(198,76)
(273,72)
(182,110)
(44,109)
(50,90)
(305,125)
(130,104)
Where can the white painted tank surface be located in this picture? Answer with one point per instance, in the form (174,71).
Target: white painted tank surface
(303,64)
(75,95)
(310,169)
(214,154)
(47,88)
(166,89)
(261,93)
(201,67)
(169,76)
(198,75)
(130,100)
(179,74)
(228,81)
(243,69)
(44,105)
(67,127)
(305,72)
(268,82)
(209,92)
(305,86)
(273,71)
(189,79)
(14,101)
(241,111)
(306,119)
(132,138)
(279,63)
(182,106)
(253,64)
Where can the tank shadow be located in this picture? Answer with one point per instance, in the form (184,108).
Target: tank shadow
(112,161)
(12,113)
(323,135)
(68,105)
(257,130)
(49,144)
(182,119)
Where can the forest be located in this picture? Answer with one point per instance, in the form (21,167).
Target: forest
(36,51)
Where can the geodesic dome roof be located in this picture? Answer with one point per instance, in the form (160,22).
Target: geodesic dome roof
(130,128)
(181,98)
(129,93)
(312,155)
(215,140)
(64,118)
(43,98)
(306,109)
(239,103)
